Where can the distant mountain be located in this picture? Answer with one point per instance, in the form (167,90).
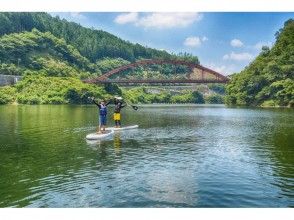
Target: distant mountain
(43,52)
(37,43)
(92,44)
(54,54)
(269,79)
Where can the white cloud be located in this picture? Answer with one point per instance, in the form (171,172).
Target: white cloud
(226,57)
(204,39)
(194,41)
(221,68)
(71,16)
(126,18)
(259,45)
(159,20)
(77,15)
(238,56)
(169,20)
(236,43)
(166,50)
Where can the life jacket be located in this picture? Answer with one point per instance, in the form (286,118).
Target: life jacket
(103,110)
(117,107)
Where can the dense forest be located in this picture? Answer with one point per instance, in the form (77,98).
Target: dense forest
(53,55)
(92,44)
(28,39)
(269,79)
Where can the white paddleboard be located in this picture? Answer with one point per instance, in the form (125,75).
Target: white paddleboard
(95,136)
(122,128)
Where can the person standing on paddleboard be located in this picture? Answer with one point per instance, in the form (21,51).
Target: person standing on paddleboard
(102,114)
(118,105)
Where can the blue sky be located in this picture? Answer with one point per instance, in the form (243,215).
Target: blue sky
(225,42)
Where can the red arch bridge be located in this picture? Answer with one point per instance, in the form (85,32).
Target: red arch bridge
(198,74)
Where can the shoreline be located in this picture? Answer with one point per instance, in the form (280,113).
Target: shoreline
(161,105)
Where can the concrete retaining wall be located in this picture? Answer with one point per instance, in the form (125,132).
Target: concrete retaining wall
(9,80)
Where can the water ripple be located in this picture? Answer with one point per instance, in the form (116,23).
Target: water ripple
(185,156)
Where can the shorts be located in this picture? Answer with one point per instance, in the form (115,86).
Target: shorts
(102,120)
(116,116)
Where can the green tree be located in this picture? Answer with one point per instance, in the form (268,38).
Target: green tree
(270,77)
(215,99)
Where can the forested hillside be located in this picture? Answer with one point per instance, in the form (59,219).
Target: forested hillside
(38,41)
(20,52)
(269,79)
(47,49)
(38,46)
(92,44)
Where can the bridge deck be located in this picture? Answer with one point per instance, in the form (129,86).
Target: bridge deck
(155,81)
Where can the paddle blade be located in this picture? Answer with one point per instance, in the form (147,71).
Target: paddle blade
(135,107)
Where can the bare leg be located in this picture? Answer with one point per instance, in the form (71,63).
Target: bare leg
(103,128)
(99,127)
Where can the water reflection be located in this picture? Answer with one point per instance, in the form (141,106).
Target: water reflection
(94,144)
(115,138)
(185,156)
(117,142)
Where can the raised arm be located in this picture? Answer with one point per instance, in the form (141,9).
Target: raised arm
(108,102)
(93,100)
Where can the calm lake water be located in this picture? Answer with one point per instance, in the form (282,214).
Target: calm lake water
(181,156)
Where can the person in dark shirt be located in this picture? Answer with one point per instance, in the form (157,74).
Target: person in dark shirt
(118,105)
(102,105)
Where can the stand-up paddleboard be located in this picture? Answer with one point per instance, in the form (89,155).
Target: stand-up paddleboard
(95,136)
(122,128)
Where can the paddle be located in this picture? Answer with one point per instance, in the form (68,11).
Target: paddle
(91,98)
(133,106)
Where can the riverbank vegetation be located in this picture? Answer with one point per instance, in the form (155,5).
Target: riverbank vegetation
(53,55)
(142,95)
(7,94)
(40,89)
(50,90)
(269,79)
